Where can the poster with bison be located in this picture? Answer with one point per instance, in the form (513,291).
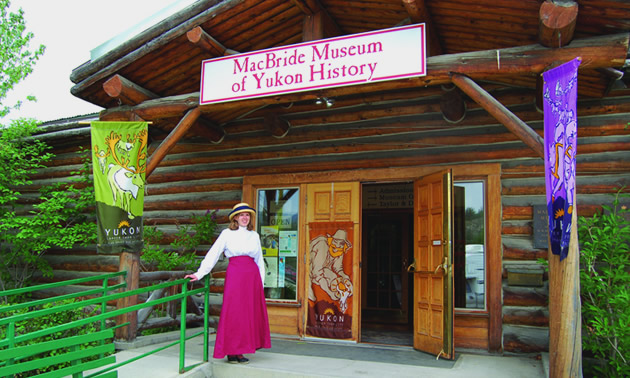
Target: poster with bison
(119,151)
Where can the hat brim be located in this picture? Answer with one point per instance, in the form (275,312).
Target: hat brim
(241,209)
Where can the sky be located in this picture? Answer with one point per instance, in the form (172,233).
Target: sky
(70,29)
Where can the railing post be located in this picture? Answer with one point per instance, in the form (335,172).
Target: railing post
(182,329)
(104,310)
(104,303)
(74,348)
(11,337)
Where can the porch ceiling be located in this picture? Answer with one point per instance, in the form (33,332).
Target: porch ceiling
(163,62)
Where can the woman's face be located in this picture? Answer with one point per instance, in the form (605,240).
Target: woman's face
(243,219)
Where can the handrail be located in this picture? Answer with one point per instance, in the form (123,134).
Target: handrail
(74,281)
(11,340)
(30,289)
(40,302)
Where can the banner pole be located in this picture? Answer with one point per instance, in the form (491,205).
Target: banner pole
(129,262)
(565,312)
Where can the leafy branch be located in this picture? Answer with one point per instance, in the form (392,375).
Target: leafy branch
(605,287)
(182,254)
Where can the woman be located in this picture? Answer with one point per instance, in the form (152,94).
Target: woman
(243,324)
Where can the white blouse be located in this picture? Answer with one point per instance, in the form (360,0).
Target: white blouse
(233,243)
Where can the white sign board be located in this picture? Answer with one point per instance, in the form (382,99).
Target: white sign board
(388,54)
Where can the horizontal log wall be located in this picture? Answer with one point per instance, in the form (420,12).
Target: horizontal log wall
(379,130)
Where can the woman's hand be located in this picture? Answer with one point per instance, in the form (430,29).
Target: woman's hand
(192,277)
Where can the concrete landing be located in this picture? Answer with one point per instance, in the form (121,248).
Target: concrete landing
(350,360)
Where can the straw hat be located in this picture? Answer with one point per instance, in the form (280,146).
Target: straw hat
(241,208)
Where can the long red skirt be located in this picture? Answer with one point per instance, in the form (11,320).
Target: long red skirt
(243,324)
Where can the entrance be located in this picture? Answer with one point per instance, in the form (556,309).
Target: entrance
(335,203)
(387,252)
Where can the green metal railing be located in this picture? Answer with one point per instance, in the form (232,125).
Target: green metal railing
(11,353)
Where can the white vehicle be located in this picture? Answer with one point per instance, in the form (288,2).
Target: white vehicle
(475,276)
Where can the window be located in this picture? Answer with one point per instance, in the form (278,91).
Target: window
(277,224)
(469,246)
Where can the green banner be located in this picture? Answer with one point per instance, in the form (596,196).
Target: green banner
(119,152)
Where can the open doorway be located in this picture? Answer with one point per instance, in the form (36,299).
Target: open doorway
(387,252)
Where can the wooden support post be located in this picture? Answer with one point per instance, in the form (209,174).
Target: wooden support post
(565,312)
(171,307)
(317,22)
(418,12)
(556,25)
(500,112)
(178,132)
(129,262)
(313,27)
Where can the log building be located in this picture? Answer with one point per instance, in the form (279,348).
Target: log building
(373,156)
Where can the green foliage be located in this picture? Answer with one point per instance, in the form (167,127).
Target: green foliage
(475,231)
(605,289)
(56,217)
(16,60)
(184,247)
(48,321)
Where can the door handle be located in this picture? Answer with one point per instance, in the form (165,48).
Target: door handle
(444,266)
(412,267)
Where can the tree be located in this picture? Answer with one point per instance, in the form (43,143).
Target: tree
(16,60)
(60,215)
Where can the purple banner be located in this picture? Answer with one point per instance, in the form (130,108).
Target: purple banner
(560,109)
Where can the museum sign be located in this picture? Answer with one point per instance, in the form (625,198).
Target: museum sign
(388,54)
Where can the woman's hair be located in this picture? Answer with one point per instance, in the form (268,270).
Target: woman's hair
(234,224)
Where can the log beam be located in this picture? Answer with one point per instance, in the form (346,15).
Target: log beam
(501,113)
(418,13)
(144,313)
(161,276)
(313,27)
(176,134)
(307,7)
(528,316)
(317,22)
(204,41)
(127,91)
(556,23)
(165,107)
